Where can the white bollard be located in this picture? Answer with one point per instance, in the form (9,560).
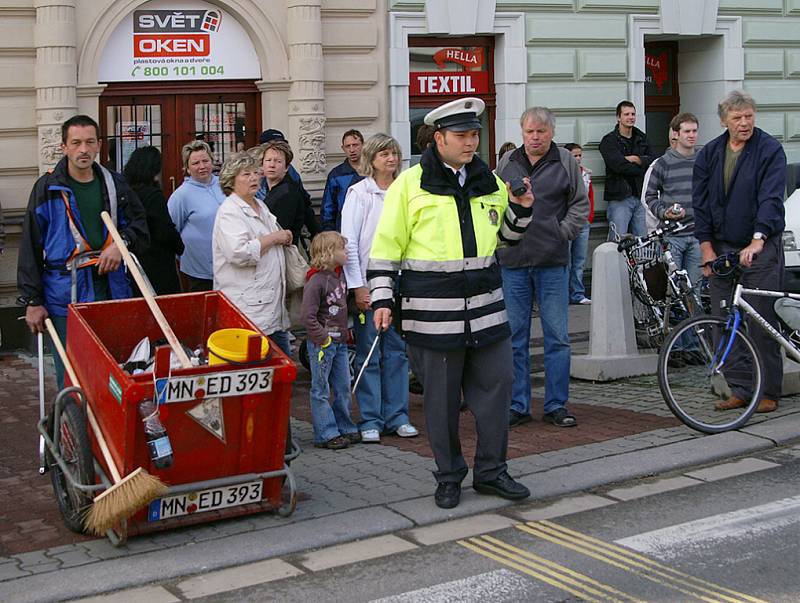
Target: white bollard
(613,353)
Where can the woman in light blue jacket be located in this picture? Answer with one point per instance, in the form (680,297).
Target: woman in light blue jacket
(193,207)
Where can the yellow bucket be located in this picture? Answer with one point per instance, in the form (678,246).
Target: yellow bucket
(231,345)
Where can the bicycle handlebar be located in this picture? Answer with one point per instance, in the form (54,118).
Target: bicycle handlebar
(629,241)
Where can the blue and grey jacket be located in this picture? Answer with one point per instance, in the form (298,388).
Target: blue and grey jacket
(48,244)
(340,178)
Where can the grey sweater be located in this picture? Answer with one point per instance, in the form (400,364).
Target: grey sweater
(670,183)
(560,207)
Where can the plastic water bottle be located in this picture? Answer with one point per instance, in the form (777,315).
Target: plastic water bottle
(158,444)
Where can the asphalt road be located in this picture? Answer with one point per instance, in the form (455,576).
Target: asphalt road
(733,539)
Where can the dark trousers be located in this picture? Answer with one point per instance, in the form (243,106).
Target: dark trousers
(766,272)
(485,376)
(196,285)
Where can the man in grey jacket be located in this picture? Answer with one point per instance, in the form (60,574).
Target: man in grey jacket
(538,265)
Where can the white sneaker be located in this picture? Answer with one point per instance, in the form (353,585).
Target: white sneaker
(407,431)
(370,436)
(585,301)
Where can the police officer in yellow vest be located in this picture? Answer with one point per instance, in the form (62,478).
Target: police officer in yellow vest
(434,246)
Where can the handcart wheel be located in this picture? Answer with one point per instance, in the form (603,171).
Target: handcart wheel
(286,509)
(76,451)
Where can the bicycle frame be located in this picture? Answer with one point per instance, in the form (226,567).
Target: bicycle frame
(738,304)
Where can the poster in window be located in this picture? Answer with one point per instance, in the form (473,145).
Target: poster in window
(658,70)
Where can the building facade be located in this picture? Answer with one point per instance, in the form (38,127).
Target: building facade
(165,71)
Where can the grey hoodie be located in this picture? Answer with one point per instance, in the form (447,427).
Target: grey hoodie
(560,207)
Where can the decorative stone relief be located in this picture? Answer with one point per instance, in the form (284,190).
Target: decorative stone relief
(312,144)
(50,145)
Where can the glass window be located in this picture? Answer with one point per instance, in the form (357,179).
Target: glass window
(129,127)
(222,126)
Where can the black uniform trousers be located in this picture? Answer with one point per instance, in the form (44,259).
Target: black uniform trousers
(484,375)
(766,272)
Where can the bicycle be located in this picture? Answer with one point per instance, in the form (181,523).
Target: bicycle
(694,380)
(662,294)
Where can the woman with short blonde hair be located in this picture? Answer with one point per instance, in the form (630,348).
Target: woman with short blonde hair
(383,390)
(193,207)
(249,263)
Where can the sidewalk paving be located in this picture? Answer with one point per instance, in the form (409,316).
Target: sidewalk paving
(625,431)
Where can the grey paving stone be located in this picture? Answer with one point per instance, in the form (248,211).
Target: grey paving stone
(423,511)
(43,568)
(726,470)
(559,508)
(74,558)
(26,560)
(781,430)
(654,487)
(11,571)
(103,549)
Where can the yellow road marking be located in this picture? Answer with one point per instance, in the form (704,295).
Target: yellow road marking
(633,562)
(568,580)
(651,562)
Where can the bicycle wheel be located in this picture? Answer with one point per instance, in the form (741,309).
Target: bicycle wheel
(701,362)
(648,325)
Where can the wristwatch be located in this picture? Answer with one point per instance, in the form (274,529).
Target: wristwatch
(759,236)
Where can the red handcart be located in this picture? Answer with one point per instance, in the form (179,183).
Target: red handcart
(227,423)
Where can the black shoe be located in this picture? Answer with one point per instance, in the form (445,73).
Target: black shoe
(447,495)
(517,418)
(336,443)
(352,438)
(560,418)
(503,486)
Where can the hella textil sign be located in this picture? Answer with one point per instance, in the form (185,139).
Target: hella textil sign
(178,40)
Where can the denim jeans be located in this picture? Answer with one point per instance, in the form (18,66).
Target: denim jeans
(549,284)
(281,339)
(382,393)
(577,252)
(330,391)
(686,253)
(627,215)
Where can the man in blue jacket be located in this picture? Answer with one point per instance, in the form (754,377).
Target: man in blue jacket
(65,248)
(737,193)
(341,178)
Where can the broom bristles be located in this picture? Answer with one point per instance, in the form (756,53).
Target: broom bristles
(122,500)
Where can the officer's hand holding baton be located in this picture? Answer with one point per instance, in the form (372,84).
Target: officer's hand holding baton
(517,194)
(382,317)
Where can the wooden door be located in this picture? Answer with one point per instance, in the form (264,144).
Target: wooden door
(171,115)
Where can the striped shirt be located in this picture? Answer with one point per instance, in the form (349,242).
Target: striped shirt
(670,183)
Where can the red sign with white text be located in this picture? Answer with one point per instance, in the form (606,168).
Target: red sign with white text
(460,56)
(438,83)
(171,45)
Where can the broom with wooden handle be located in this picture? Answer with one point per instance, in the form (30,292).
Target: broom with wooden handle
(145,289)
(127,495)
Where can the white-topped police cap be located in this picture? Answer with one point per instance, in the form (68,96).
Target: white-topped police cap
(459,115)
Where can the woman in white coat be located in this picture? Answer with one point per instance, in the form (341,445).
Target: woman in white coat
(247,243)
(382,393)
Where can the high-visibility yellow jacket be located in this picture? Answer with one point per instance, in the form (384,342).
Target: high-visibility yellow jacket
(439,238)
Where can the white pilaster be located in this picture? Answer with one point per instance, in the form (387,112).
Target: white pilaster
(55,74)
(306,93)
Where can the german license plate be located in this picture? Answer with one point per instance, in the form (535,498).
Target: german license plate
(214,385)
(205,500)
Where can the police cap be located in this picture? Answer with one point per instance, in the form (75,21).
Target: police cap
(460,115)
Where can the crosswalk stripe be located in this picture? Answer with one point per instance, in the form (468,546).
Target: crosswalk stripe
(635,563)
(550,573)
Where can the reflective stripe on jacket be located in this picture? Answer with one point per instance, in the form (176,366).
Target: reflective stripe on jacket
(435,243)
